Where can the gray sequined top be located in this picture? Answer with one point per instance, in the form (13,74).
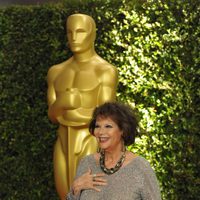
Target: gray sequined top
(135,181)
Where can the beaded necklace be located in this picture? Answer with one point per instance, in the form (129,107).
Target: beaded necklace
(113,169)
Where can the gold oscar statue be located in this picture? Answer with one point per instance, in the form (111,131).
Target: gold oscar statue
(75,87)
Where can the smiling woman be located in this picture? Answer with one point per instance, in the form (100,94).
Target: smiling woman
(113,172)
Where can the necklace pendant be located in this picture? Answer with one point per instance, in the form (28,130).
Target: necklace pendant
(113,169)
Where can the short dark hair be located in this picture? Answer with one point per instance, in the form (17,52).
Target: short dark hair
(123,115)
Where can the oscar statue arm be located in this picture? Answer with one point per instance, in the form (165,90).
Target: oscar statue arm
(109,81)
(53,110)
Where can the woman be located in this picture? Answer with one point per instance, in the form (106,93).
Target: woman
(114,173)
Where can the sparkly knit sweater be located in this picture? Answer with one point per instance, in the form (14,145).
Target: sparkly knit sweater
(135,181)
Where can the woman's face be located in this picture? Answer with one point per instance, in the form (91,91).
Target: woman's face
(108,134)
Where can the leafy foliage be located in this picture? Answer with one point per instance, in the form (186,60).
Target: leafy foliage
(155,47)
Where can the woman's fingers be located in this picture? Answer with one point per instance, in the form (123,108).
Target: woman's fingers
(89,180)
(97,176)
(97,189)
(98,184)
(89,171)
(100,174)
(101,180)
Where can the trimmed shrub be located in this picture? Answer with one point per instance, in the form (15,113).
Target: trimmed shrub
(155,47)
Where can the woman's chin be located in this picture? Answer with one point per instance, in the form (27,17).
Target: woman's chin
(103,147)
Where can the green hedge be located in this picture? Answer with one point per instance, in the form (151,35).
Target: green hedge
(155,47)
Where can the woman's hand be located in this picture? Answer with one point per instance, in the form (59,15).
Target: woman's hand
(88,181)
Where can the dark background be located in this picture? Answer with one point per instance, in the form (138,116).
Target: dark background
(26,2)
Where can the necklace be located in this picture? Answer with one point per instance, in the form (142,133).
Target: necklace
(113,169)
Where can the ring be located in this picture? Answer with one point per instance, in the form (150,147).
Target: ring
(93,177)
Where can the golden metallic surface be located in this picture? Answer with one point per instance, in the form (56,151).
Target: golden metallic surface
(75,87)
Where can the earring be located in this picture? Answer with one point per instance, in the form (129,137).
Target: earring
(98,150)
(123,145)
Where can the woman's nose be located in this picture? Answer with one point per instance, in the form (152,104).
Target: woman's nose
(101,131)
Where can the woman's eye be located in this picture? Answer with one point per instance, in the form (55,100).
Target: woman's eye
(108,126)
(96,126)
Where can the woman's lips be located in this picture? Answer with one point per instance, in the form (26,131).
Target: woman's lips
(103,139)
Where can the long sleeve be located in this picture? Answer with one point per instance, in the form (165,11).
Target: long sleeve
(150,187)
(70,196)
